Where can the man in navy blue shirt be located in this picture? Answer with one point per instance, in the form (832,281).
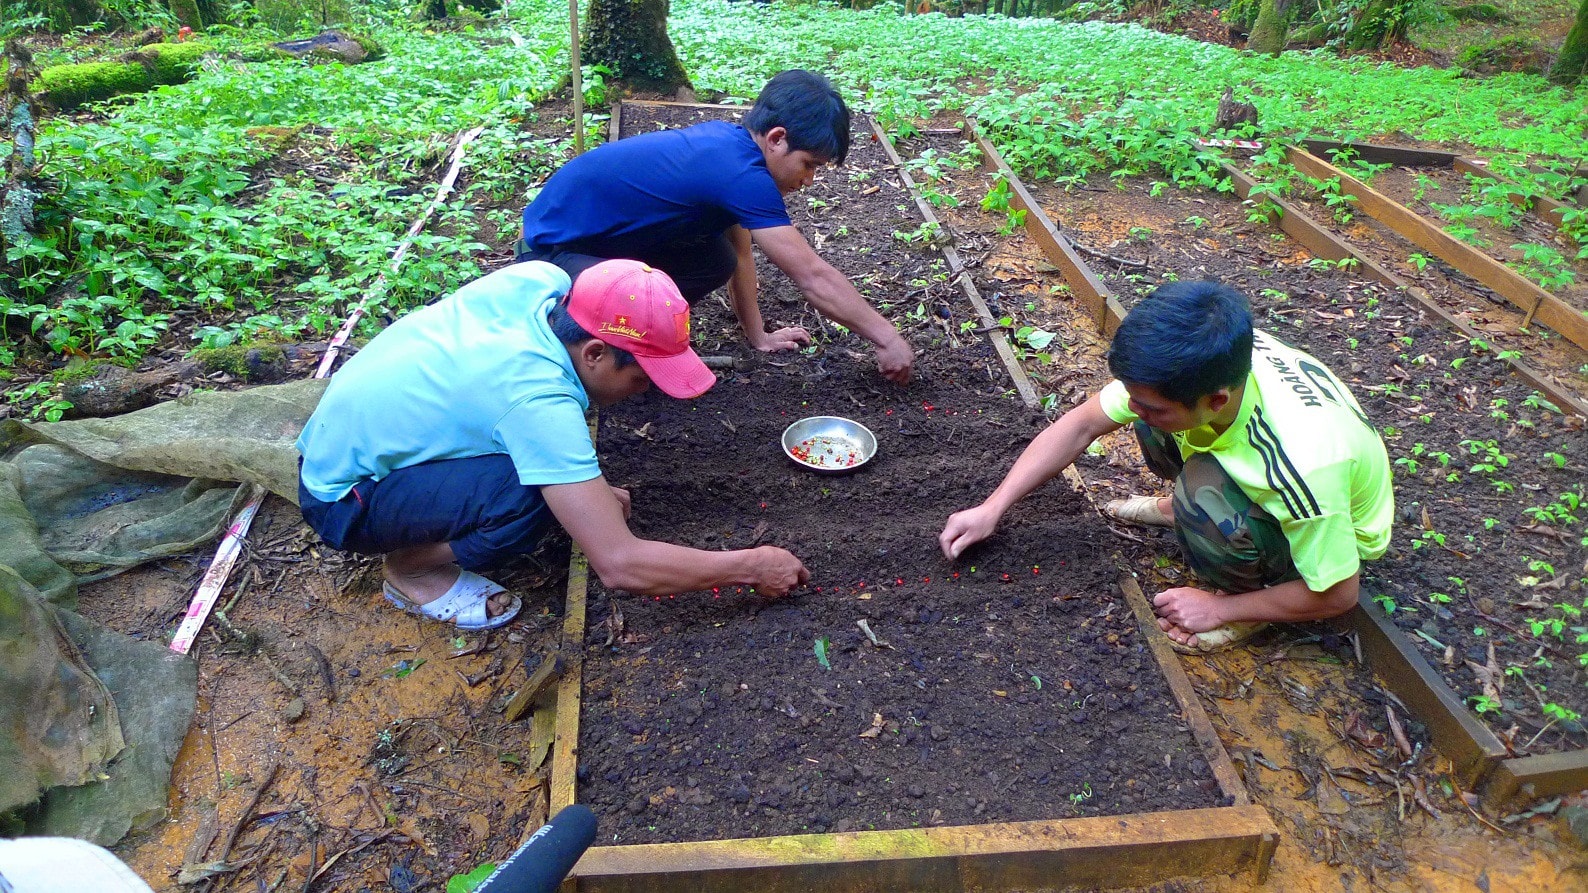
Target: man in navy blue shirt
(692,202)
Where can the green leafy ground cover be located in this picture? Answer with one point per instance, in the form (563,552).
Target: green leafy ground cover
(170,204)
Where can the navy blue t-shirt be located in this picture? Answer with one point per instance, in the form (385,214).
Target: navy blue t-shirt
(654,189)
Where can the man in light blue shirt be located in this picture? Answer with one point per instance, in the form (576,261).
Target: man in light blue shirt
(452,440)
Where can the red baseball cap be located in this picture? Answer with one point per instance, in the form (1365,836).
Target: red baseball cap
(637,308)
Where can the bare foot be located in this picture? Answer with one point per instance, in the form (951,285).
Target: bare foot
(1173,631)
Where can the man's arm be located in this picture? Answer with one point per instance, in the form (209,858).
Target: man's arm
(1044,459)
(592,515)
(1191,610)
(744,293)
(829,292)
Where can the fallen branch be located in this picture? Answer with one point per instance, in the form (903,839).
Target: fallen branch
(1100,255)
(247,814)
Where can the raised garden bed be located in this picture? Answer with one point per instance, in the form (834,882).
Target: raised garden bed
(1492,269)
(1460,568)
(1015,696)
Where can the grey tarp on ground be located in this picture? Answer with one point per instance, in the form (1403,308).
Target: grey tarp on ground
(81,500)
(67,731)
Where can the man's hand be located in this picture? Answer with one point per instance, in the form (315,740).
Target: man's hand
(790,338)
(776,571)
(894,359)
(1189,609)
(623,499)
(967,528)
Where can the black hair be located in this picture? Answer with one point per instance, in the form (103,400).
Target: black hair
(1185,340)
(805,104)
(570,332)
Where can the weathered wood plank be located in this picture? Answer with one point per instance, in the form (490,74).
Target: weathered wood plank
(1514,287)
(1105,309)
(1541,207)
(1095,853)
(1201,727)
(1468,743)
(1376,153)
(1542,776)
(1325,244)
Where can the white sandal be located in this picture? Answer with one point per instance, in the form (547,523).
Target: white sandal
(1138,510)
(465,604)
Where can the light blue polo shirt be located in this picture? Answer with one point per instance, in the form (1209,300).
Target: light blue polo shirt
(478,372)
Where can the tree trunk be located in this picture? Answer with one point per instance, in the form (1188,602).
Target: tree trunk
(630,38)
(67,14)
(1572,63)
(1268,33)
(19,162)
(1381,22)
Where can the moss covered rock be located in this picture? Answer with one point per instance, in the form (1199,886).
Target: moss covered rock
(251,362)
(1513,53)
(69,86)
(1481,12)
(172,63)
(275,139)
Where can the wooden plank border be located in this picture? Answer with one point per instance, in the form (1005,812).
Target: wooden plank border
(1105,309)
(1089,853)
(1541,207)
(1455,731)
(957,272)
(1197,718)
(1540,776)
(1377,153)
(1108,851)
(1539,304)
(1322,243)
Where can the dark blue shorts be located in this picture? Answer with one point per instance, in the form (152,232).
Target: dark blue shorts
(476,504)
(698,267)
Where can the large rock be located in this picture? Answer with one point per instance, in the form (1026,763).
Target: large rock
(331,46)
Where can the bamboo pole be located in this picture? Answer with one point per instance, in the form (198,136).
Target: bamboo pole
(578,77)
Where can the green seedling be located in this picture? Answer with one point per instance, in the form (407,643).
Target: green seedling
(821,648)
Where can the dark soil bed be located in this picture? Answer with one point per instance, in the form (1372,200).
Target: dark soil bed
(1488,548)
(1014,684)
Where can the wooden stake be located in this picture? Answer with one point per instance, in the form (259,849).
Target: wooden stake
(549,671)
(578,77)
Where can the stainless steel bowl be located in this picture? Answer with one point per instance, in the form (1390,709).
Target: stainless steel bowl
(829,443)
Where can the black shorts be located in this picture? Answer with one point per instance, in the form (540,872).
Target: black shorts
(476,504)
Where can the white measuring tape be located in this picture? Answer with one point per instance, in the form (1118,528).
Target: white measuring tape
(209,588)
(1249,145)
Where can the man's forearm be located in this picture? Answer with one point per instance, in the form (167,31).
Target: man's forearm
(830,292)
(647,567)
(1291,602)
(744,287)
(1052,451)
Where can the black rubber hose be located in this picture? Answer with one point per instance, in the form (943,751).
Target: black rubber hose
(541,863)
